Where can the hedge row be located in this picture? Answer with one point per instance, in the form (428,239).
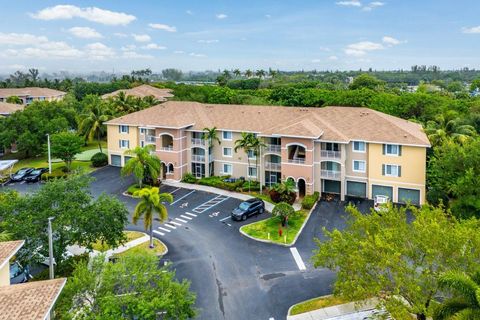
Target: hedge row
(309,201)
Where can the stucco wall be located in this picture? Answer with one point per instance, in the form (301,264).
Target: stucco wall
(5,275)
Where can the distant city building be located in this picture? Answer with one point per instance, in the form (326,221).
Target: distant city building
(30,94)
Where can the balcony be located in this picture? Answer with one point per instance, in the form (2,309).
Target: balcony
(198,158)
(272,166)
(273,148)
(198,142)
(297,160)
(330,154)
(168,148)
(330,174)
(149,139)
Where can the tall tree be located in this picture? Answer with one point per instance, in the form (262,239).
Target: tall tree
(256,145)
(396,260)
(465,300)
(448,125)
(237,72)
(33,73)
(210,135)
(91,122)
(245,143)
(151,201)
(65,145)
(142,163)
(248,73)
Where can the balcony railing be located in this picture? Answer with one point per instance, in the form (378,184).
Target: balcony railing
(150,139)
(198,158)
(330,154)
(297,160)
(168,148)
(276,148)
(198,142)
(330,174)
(272,166)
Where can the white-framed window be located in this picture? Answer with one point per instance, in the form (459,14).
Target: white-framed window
(359,166)
(358,146)
(123,129)
(392,149)
(227,168)
(252,172)
(251,154)
(142,131)
(392,170)
(124,144)
(227,135)
(227,152)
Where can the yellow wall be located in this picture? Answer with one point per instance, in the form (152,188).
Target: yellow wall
(5,275)
(113,136)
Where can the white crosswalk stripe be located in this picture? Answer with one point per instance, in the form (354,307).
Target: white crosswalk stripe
(175,223)
(191,214)
(158,232)
(185,217)
(181,220)
(163,229)
(170,226)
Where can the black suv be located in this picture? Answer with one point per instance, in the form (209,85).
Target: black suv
(35,175)
(21,174)
(248,208)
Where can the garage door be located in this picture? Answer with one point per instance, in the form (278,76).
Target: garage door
(116,160)
(126,159)
(406,195)
(331,186)
(357,189)
(382,191)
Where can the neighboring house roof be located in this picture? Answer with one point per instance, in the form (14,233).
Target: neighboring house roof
(30,91)
(142,91)
(9,108)
(31,300)
(334,123)
(8,250)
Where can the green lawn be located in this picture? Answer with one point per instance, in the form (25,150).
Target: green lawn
(158,249)
(261,229)
(315,304)
(263,196)
(131,235)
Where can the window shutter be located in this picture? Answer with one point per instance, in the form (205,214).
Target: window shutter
(383,149)
(119,129)
(399,171)
(119,143)
(383,169)
(399,150)
(128,129)
(128,143)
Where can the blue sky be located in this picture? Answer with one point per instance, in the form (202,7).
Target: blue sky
(209,35)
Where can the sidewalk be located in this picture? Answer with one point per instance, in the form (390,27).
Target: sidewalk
(77,250)
(268,206)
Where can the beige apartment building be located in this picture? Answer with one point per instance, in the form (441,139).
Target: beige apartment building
(349,151)
(30,94)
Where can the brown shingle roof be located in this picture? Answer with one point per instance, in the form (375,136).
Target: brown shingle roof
(9,108)
(29,301)
(8,250)
(142,91)
(334,123)
(30,91)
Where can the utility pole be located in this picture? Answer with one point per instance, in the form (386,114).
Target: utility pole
(49,156)
(50,246)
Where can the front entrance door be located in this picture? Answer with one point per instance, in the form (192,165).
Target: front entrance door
(164,171)
(198,170)
(301,188)
(273,179)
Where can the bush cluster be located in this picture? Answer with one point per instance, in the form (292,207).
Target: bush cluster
(99,159)
(56,174)
(309,201)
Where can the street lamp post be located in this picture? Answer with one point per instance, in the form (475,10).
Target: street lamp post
(50,247)
(49,156)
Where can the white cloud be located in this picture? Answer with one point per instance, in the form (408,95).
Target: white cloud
(98,51)
(471,30)
(373,5)
(361,48)
(141,37)
(20,39)
(85,33)
(198,55)
(221,16)
(208,41)
(154,46)
(179,52)
(164,27)
(316,60)
(128,47)
(135,55)
(94,14)
(120,35)
(333,58)
(351,3)
(390,41)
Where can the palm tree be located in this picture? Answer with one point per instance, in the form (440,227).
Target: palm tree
(237,72)
(245,143)
(151,201)
(272,72)
(248,73)
(256,145)
(91,122)
(465,303)
(210,135)
(143,162)
(447,126)
(260,73)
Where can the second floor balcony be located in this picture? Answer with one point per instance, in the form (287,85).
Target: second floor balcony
(330,174)
(328,154)
(272,166)
(150,139)
(198,158)
(273,148)
(198,142)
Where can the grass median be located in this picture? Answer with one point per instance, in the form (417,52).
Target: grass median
(315,304)
(268,229)
(131,235)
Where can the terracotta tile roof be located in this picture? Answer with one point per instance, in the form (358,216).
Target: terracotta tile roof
(29,301)
(8,108)
(142,91)
(333,123)
(8,250)
(30,91)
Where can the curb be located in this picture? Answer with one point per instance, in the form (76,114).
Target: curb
(166,248)
(277,243)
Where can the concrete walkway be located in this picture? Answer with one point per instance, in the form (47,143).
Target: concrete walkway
(268,206)
(346,311)
(78,250)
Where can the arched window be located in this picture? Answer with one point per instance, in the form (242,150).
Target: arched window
(170,168)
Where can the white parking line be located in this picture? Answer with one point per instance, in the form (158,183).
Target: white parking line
(163,229)
(185,217)
(175,223)
(210,204)
(170,226)
(298,259)
(158,232)
(181,220)
(175,190)
(182,197)
(225,218)
(191,214)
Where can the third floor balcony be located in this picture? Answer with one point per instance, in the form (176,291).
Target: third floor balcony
(198,142)
(273,148)
(329,154)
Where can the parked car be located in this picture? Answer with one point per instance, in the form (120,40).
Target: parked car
(21,174)
(248,208)
(35,175)
(380,202)
(18,274)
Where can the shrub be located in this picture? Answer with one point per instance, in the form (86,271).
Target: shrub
(99,159)
(283,210)
(56,174)
(189,178)
(309,201)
